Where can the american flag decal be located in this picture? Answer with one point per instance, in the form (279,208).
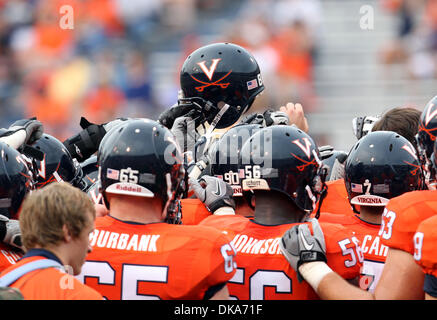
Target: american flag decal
(252,84)
(112,174)
(356,187)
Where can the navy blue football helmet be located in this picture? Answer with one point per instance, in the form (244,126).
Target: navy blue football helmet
(16,180)
(57,164)
(284,159)
(142,158)
(225,155)
(380,166)
(217,75)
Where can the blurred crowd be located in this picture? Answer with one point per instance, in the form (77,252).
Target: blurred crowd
(100,68)
(415,43)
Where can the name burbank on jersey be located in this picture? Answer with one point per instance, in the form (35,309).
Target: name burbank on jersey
(124,241)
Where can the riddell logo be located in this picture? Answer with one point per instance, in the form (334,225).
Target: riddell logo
(128,188)
(369,200)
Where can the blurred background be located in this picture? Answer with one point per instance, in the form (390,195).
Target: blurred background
(122,57)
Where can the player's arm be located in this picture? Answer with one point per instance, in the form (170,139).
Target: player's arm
(401,278)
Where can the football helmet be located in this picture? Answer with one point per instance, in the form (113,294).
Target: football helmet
(57,164)
(225,155)
(380,166)
(222,80)
(284,159)
(15,180)
(141,158)
(425,139)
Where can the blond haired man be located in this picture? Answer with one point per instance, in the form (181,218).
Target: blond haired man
(55,222)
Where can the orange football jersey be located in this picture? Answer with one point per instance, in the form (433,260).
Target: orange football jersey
(50,284)
(425,245)
(336,200)
(193,211)
(375,253)
(133,261)
(402,216)
(263,273)
(8,256)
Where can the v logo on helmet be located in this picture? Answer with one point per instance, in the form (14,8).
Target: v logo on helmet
(429,115)
(209,72)
(42,168)
(305,148)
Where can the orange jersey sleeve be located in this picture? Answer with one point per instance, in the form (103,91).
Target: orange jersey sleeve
(425,245)
(403,215)
(336,200)
(156,261)
(193,211)
(343,251)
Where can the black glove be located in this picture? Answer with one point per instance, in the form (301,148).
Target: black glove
(34,129)
(84,144)
(10,232)
(215,193)
(168,117)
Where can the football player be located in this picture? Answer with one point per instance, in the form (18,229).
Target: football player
(380,166)
(139,250)
(401,277)
(402,120)
(223,164)
(287,179)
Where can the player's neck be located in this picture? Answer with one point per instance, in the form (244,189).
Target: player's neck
(243,209)
(274,209)
(371,214)
(136,209)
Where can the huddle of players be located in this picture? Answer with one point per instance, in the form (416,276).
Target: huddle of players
(262,194)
